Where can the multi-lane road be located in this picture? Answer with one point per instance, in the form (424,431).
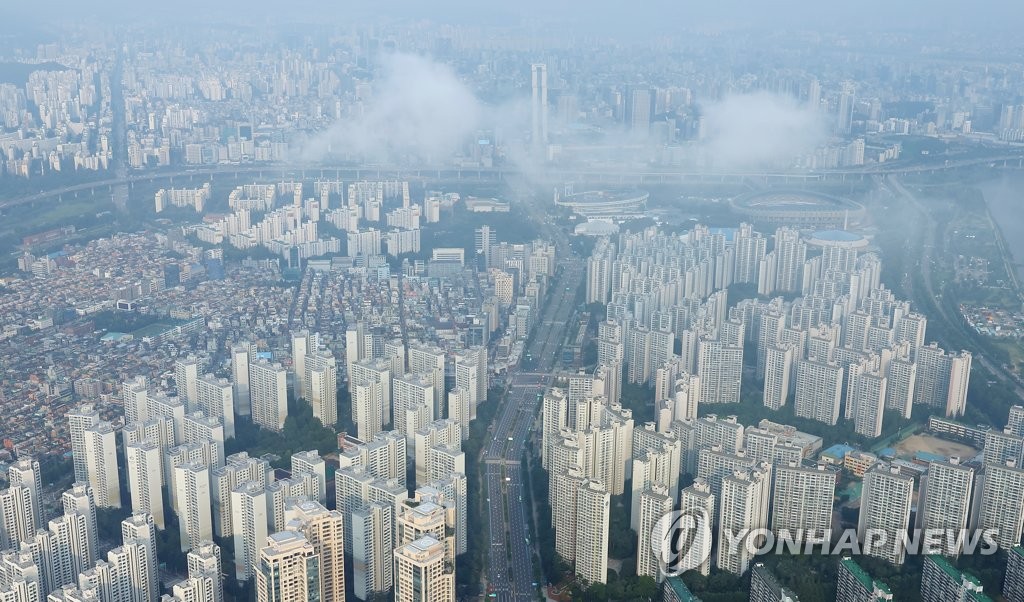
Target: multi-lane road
(511,568)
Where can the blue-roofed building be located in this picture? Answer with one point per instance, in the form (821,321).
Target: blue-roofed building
(836,454)
(674,590)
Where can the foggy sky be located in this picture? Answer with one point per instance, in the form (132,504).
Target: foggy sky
(608,18)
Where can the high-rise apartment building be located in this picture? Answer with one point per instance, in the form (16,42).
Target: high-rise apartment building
(268,392)
(654,504)
(101,464)
(944,502)
(195,518)
(372,548)
(324,530)
(885,513)
(145,482)
(1001,505)
(802,502)
(819,390)
(250,526)
(422,574)
(743,505)
(288,569)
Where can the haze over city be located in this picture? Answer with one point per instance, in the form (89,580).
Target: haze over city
(574,301)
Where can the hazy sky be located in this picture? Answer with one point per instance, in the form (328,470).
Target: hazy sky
(627,18)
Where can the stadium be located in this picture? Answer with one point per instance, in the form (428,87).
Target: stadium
(604,203)
(798,208)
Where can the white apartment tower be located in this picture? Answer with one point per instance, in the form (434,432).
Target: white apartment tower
(885,510)
(325,530)
(422,573)
(819,390)
(697,498)
(372,548)
(320,386)
(101,462)
(288,569)
(944,501)
(145,482)
(250,526)
(1002,502)
(195,518)
(654,504)
(743,505)
(268,391)
(802,502)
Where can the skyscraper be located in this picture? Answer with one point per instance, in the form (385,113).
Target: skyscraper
(819,390)
(268,391)
(942,379)
(138,535)
(802,502)
(214,397)
(743,505)
(241,357)
(372,547)
(288,569)
(844,119)
(145,483)
(422,573)
(654,504)
(250,525)
(320,386)
(186,373)
(79,419)
(539,104)
(945,501)
(195,519)
(697,498)
(885,512)
(204,565)
(324,530)
(1002,502)
(101,462)
(592,508)
(26,472)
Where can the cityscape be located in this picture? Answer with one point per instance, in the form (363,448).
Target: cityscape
(448,302)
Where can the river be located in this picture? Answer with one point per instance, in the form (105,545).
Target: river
(1005,198)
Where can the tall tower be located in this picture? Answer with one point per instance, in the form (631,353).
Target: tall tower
(1002,498)
(204,566)
(421,574)
(288,569)
(698,498)
(885,508)
(195,518)
(372,561)
(592,505)
(138,533)
(320,386)
(802,502)
(743,505)
(539,104)
(101,462)
(945,501)
(268,390)
(249,518)
(654,504)
(145,479)
(26,473)
(324,530)
(79,419)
